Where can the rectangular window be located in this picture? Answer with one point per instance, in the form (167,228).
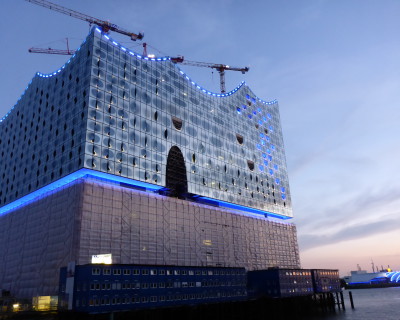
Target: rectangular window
(162,272)
(153,272)
(145,285)
(106,272)
(95,271)
(117,272)
(127,272)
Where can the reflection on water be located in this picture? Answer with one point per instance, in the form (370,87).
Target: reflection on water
(370,304)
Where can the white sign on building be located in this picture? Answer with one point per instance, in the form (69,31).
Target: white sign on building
(102,258)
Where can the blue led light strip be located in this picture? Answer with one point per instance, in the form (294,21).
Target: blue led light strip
(49,75)
(82,173)
(229,205)
(87,173)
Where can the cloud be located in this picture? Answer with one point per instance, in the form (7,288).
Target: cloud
(349,233)
(364,205)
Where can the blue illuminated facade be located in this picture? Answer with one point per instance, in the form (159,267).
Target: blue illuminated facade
(124,154)
(109,109)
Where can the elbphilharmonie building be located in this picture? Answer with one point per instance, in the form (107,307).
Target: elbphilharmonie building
(124,154)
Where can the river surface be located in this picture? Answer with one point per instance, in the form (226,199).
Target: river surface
(370,304)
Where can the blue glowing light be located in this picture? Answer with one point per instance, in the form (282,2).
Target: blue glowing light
(261,167)
(82,173)
(271,172)
(224,204)
(277,181)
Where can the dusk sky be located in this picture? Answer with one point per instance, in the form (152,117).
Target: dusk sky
(333,66)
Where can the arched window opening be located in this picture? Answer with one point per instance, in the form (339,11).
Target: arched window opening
(176,177)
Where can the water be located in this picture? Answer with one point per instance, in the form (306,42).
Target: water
(370,304)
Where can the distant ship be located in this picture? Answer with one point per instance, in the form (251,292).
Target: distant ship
(382,278)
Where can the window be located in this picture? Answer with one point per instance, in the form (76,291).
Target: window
(96,271)
(239,138)
(117,272)
(177,123)
(250,164)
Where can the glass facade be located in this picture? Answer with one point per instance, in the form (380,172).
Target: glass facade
(111,110)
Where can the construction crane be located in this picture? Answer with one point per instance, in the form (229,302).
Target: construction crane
(219,67)
(67,52)
(105,25)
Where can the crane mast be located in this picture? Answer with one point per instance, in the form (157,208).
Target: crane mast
(105,25)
